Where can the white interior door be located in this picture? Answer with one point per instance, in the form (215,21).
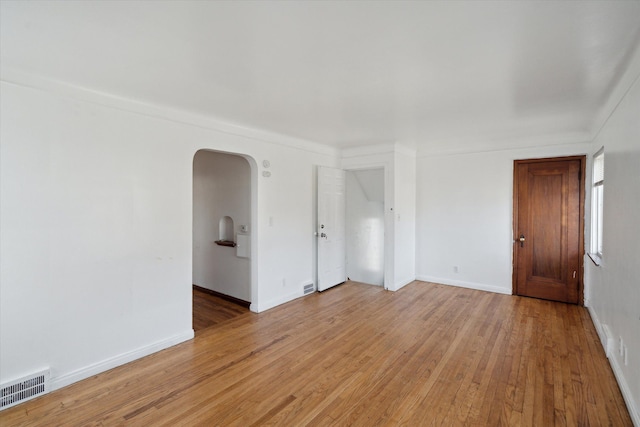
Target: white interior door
(331,227)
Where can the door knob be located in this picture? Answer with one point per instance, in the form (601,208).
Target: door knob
(521,240)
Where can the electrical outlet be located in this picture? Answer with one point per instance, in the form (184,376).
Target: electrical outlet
(624,358)
(284,282)
(455,268)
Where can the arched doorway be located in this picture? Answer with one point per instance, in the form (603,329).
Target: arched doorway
(222,216)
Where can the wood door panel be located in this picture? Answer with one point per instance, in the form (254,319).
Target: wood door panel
(548,204)
(547,213)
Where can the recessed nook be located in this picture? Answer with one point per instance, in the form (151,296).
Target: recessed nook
(225,232)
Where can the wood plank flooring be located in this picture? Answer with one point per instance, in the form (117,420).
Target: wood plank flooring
(358,355)
(209,310)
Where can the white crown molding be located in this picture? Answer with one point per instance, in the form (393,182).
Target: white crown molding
(405,149)
(59,88)
(369,150)
(571,139)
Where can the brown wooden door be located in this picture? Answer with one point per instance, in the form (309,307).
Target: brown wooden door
(548,236)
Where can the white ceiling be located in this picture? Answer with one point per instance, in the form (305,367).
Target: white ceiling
(426,74)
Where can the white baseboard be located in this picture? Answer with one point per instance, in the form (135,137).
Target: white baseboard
(626,391)
(401,284)
(263,306)
(462,284)
(606,339)
(599,329)
(105,365)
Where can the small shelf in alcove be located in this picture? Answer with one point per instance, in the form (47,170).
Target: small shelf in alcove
(229,243)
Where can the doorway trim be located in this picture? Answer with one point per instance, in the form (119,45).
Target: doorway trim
(581,222)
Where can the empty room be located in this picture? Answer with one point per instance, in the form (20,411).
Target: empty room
(320,213)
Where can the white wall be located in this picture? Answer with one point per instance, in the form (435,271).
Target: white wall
(221,187)
(465,216)
(614,287)
(96,219)
(365,228)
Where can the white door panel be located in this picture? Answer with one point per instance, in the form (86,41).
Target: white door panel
(331,228)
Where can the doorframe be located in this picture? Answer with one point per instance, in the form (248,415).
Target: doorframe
(387,167)
(581,223)
(385,202)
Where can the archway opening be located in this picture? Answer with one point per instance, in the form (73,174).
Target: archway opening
(222,213)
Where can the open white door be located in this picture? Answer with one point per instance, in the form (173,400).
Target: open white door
(331,228)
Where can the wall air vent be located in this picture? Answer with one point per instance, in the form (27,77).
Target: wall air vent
(308,288)
(23,389)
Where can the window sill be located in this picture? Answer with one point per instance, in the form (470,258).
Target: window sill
(597,260)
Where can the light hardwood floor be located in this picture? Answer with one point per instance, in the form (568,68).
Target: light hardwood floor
(210,310)
(358,355)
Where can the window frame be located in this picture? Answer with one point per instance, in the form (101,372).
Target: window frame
(597,207)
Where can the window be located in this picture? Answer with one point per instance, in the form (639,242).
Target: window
(597,190)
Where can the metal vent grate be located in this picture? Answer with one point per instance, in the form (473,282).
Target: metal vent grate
(308,288)
(24,389)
